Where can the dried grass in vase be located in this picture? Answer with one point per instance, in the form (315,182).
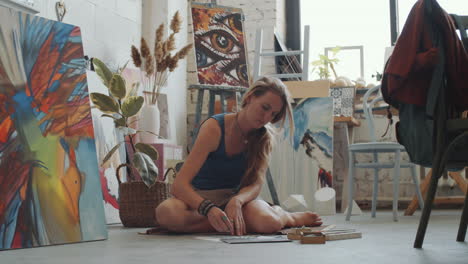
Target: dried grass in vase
(157,66)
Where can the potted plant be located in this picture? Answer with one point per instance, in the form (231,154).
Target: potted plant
(121,106)
(137,200)
(155,68)
(324,62)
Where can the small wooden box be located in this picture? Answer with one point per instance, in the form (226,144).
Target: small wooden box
(294,236)
(313,239)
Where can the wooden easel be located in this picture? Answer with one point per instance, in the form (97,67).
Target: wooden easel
(456,176)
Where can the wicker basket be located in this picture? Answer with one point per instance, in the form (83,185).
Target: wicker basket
(137,202)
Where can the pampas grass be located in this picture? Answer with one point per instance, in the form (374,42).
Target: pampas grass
(156,67)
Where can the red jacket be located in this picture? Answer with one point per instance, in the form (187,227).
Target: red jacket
(409,70)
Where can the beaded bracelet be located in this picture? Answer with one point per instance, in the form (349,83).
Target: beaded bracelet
(202,206)
(205,207)
(208,208)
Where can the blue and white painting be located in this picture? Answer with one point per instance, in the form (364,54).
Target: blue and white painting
(303,164)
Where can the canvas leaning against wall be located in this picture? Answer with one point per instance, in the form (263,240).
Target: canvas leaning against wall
(302,165)
(49,181)
(106,139)
(219,45)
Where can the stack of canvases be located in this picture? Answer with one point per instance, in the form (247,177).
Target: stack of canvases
(49,181)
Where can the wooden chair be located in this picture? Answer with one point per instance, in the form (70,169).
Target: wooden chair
(450,135)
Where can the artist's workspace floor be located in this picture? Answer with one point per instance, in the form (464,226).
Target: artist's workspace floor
(383,241)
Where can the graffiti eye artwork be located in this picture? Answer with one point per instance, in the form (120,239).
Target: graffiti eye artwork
(219,46)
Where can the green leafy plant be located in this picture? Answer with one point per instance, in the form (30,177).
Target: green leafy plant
(121,106)
(324,63)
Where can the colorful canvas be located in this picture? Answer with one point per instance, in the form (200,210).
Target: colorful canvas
(220,45)
(304,164)
(49,181)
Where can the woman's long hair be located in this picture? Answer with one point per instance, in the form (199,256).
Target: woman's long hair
(260,141)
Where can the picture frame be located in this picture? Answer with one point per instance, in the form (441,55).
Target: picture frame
(360,49)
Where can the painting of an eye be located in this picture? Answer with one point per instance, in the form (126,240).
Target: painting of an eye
(242,73)
(214,47)
(234,22)
(238,72)
(221,42)
(219,46)
(202,59)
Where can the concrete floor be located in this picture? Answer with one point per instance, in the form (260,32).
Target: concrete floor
(383,241)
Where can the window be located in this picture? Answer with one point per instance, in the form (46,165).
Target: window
(355,23)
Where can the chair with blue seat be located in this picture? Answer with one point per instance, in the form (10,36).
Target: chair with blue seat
(375,147)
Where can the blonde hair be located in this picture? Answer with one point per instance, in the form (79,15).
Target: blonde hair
(261,141)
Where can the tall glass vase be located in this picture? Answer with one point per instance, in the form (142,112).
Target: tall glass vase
(149,121)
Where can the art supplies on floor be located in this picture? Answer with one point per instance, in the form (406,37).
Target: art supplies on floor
(318,235)
(256,239)
(304,235)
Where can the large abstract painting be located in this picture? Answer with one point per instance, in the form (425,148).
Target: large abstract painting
(220,45)
(49,181)
(303,164)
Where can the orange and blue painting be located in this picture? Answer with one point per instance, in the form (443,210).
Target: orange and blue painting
(219,45)
(49,180)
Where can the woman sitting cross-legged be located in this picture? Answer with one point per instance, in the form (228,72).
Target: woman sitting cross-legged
(217,187)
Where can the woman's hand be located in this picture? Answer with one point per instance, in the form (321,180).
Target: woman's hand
(219,220)
(234,212)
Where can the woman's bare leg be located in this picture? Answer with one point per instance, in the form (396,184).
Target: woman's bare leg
(260,217)
(176,216)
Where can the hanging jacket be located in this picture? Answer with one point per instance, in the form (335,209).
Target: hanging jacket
(409,69)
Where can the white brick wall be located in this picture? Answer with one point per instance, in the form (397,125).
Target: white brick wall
(108,27)
(281,18)
(153,14)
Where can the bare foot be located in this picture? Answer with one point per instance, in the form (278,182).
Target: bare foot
(298,219)
(305,219)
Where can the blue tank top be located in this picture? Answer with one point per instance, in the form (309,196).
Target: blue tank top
(220,171)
